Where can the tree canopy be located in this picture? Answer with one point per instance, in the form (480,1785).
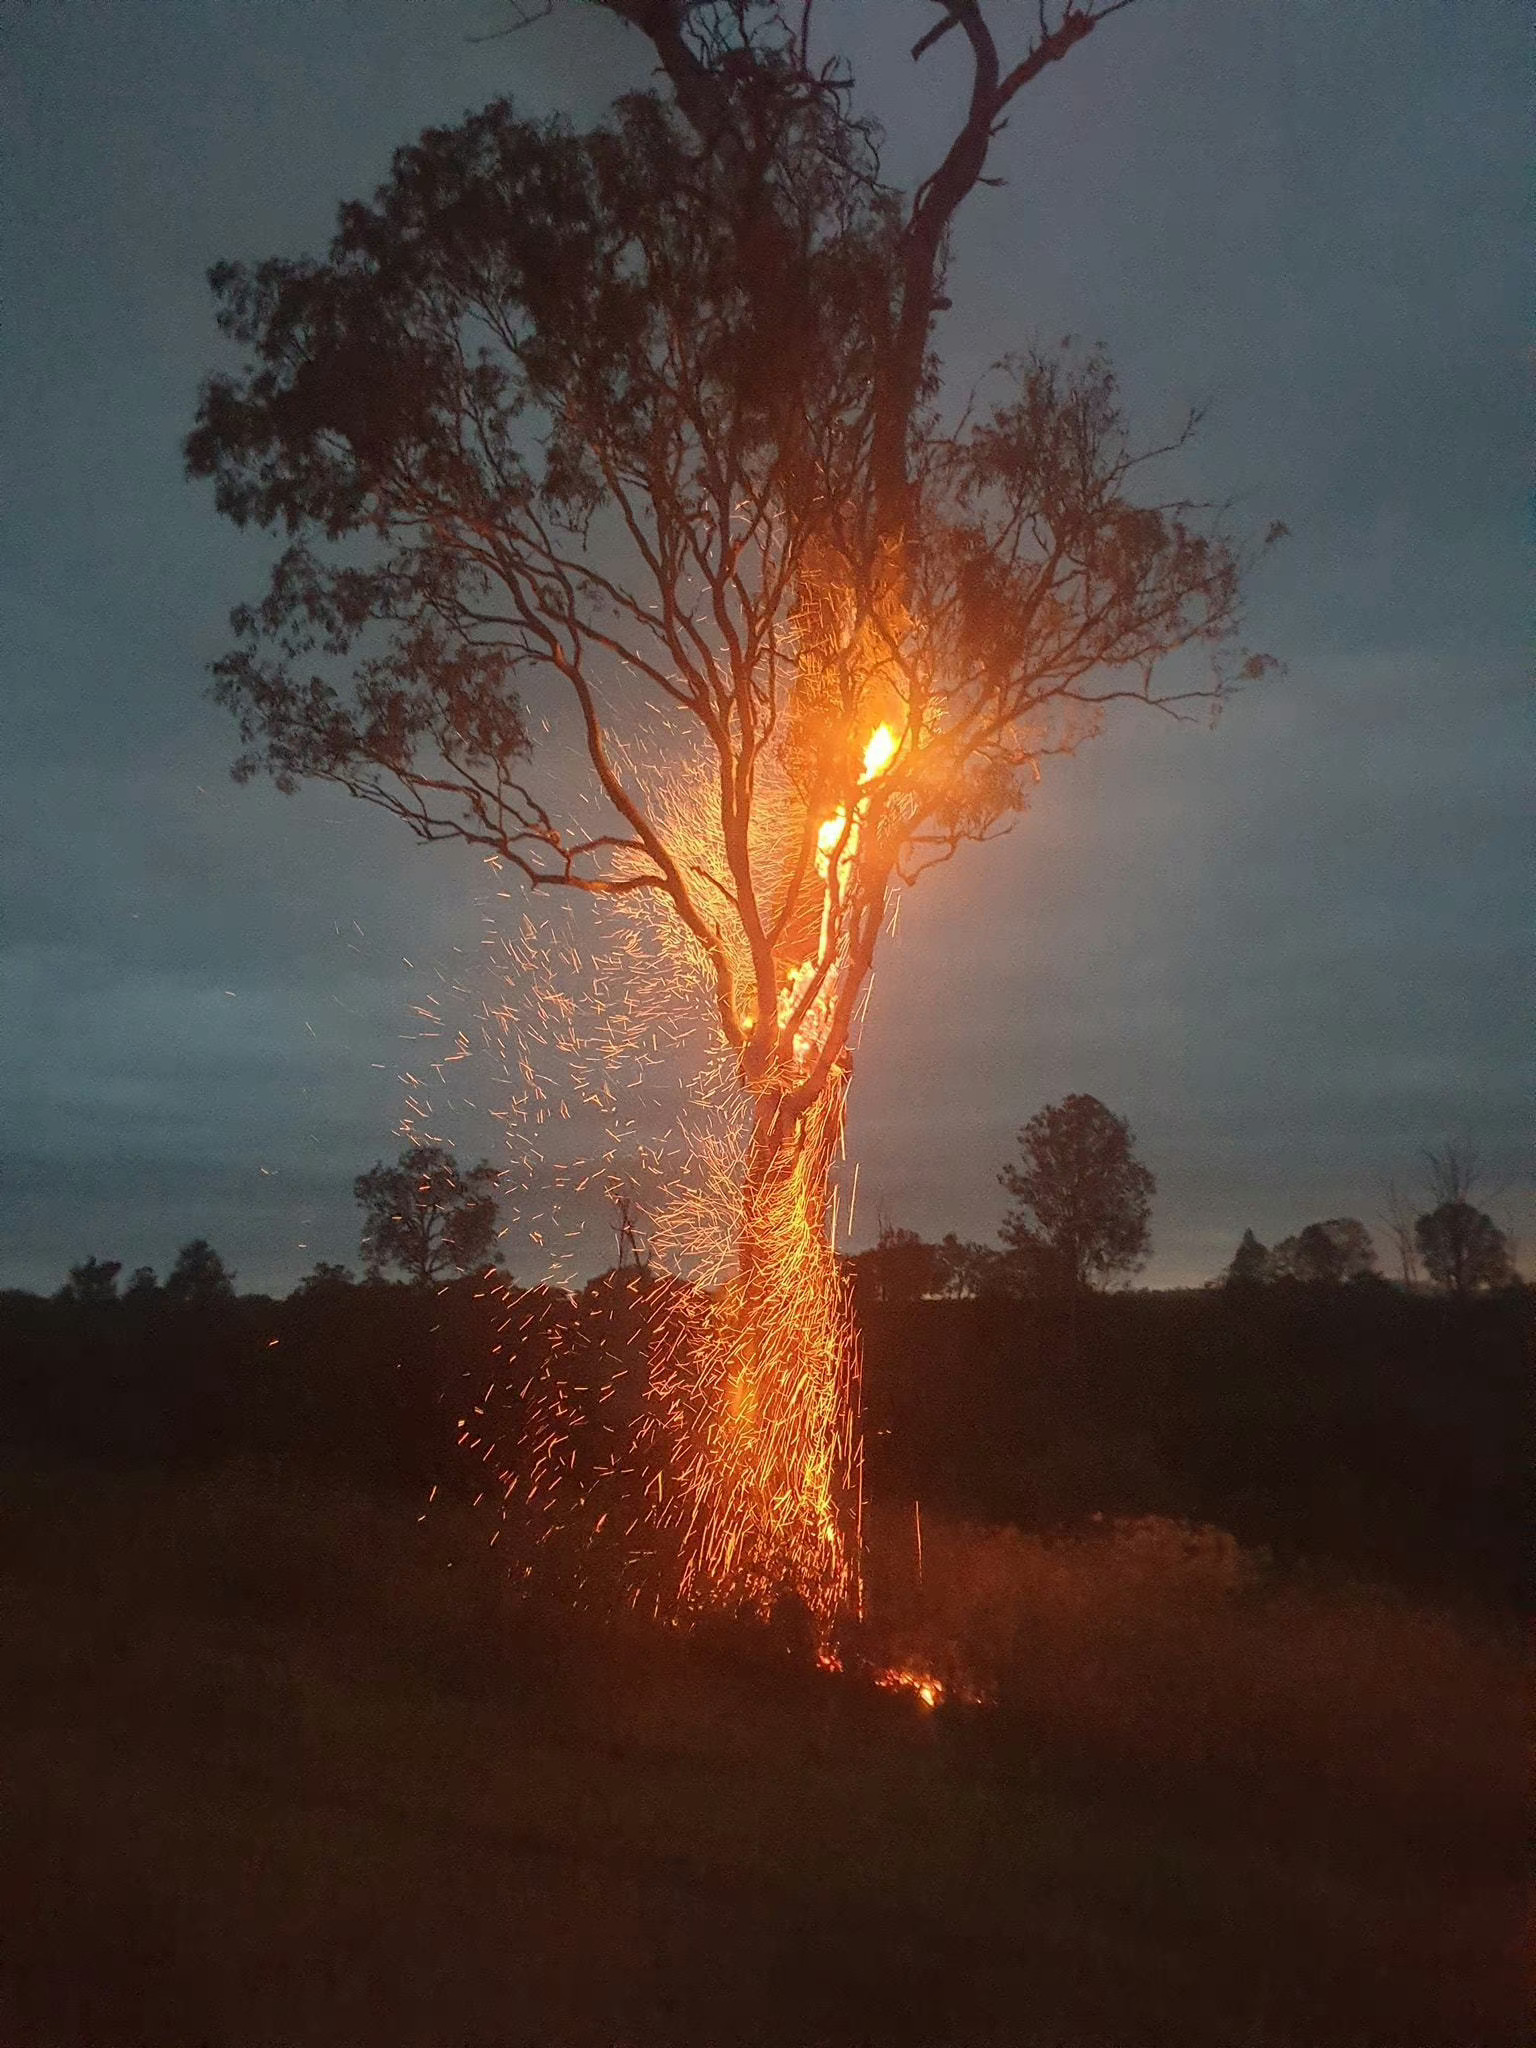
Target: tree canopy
(901,1267)
(1463,1248)
(1326,1253)
(424,1216)
(1250,1265)
(91,1284)
(1082,1199)
(649,417)
(199,1279)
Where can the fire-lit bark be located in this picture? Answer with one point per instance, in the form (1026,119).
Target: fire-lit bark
(771,1489)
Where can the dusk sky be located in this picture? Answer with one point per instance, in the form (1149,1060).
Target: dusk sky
(1293,950)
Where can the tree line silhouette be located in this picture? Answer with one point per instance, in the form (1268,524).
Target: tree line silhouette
(1300,1400)
(1081,1218)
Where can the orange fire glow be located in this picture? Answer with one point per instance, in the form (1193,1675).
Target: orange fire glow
(880,752)
(921,1683)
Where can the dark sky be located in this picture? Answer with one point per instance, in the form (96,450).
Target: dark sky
(1293,950)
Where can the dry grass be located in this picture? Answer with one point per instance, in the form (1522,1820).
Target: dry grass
(284,1768)
(1167,1644)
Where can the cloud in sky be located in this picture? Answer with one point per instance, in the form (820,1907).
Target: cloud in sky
(1292,950)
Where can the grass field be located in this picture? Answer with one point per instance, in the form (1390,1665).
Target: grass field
(282,1766)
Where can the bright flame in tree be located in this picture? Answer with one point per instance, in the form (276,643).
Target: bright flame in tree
(880,752)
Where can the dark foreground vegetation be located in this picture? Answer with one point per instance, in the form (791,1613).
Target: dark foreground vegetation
(285,1766)
(1359,1428)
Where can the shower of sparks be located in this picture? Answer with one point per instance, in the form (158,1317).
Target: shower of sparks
(695,1431)
(688,1430)
(771,1368)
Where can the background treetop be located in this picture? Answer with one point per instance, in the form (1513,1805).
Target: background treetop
(424,1216)
(1082,1200)
(1325,1253)
(1463,1248)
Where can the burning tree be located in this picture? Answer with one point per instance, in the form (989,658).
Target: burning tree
(649,419)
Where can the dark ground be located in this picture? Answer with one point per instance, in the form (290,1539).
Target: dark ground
(282,1766)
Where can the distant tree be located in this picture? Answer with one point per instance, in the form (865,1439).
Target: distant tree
(1326,1254)
(1463,1249)
(1082,1199)
(1251,1265)
(143,1285)
(963,1266)
(1287,1259)
(91,1284)
(901,1266)
(325,1278)
(199,1278)
(424,1217)
(1354,1246)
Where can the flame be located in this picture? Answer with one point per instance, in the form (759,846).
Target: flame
(828,836)
(928,1689)
(880,753)
(836,832)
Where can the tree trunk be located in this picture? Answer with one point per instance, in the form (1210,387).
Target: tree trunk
(769,1481)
